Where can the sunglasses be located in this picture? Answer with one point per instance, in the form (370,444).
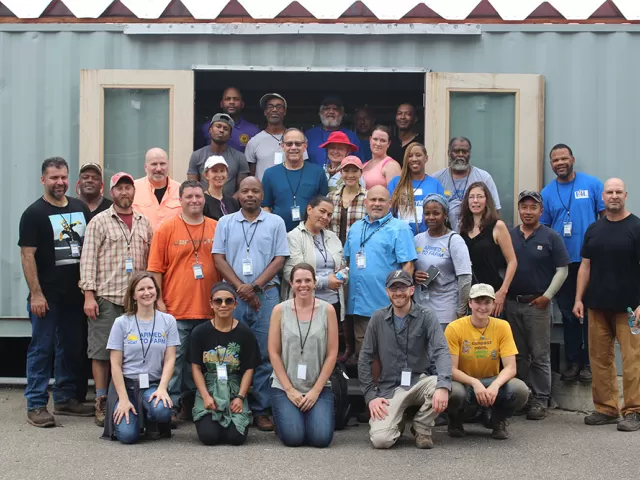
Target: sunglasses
(291,144)
(227,301)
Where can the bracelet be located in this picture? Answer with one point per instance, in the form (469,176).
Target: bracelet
(241,397)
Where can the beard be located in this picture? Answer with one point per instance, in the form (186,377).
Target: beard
(458,164)
(123,203)
(219,141)
(331,123)
(55,193)
(568,174)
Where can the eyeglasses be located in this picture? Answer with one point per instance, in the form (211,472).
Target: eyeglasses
(401,289)
(291,144)
(274,107)
(477,197)
(227,301)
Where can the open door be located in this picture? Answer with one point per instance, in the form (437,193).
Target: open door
(502,115)
(123,113)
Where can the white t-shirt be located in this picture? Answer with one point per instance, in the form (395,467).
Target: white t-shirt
(442,293)
(264,150)
(455,190)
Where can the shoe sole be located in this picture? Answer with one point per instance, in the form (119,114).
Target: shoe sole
(499,438)
(624,429)
(42,425)
(608,422)
(456,435)
(536,418)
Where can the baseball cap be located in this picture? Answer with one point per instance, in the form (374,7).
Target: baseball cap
(118,177)
(215,160)
(399,276)
(223,117)
(533,195)
(351,160)
(91,166)
(482,290)
(268,96)
(332,100)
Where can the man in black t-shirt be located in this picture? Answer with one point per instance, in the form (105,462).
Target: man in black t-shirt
(51,237)
(406,119)
(608,283)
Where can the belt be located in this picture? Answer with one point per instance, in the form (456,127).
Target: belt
(257,289)
(523,298)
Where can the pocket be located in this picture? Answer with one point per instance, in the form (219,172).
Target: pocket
(265,245)
(173,203)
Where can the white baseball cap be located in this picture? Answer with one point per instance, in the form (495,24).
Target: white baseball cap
(482,290)
(215,160)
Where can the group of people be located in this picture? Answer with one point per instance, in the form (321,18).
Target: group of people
(226,299)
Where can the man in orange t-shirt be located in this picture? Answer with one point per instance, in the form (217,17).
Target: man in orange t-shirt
(181,261)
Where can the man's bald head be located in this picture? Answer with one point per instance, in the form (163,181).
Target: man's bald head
(156,166)
(250,194)
(614,196)
(377,202)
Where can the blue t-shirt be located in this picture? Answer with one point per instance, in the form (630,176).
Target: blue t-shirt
(421,189)
(280,185)
(364,152)
(578,202)
(316,136)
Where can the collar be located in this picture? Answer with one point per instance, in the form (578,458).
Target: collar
(362,191)
(150,186)
(460,179)
(388,312)
(381,220)
(262,216)
(113,213)
(519,227)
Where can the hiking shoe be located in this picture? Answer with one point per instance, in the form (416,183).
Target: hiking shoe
(442,420)
(455,428)
(585,375)
(598,418)
(500,430)
(174,420)
(264,423)
(73,408)
(40,417)
(422,440)
(536,412)
(571,372)
(630,422)
(101,410)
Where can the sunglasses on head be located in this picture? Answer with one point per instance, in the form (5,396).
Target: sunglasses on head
(227,301)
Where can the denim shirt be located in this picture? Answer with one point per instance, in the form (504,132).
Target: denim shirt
(421,333)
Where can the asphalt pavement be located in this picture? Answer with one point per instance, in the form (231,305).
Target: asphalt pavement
(559,447)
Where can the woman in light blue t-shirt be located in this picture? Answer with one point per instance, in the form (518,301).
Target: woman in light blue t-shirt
(142,346)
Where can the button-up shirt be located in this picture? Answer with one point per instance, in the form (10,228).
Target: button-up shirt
(107,244)
(387,243)
(147,204)
(397,349)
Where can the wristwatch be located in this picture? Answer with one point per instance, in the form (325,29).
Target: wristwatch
(241,397)
(257,288)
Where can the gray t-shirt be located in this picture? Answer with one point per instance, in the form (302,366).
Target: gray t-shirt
(455,190)
(325,266)
(452,260)
(264,150)
(235,159)
(125,337)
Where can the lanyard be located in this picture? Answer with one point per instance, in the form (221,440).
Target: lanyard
(224,355)
(364,241)
(153,329)
(279,140)
(566,207)
(455,190)
(286,172)
(128,240)
(323,250)
(223,208)
(195,249)
(302,344)
(248,242)
(406,351)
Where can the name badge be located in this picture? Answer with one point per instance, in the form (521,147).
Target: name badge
(417,192)
(302,371)
(221,372)
(361,260)
(75,249)
(567,227)
(143,380)
(295,213)
(128,265)
(247,267)
(278,158)
(197,272)
(405,378)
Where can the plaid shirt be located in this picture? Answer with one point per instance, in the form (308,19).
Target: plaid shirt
(355,212)
(105,248)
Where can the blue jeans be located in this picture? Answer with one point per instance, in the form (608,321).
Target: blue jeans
(576,334)
(296,428)
(55,338)
(130,432)
(512,396)
(182,380)
(259,322)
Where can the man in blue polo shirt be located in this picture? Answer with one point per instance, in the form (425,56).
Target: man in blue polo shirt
(288,187)
(542,269)
(249,249)
(572,202)
(376,245)
(331,116)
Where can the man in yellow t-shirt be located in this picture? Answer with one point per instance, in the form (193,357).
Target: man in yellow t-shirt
(477,344)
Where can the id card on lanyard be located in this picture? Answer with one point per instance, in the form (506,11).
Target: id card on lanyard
(361,256)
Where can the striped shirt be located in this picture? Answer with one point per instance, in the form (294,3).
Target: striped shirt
(355,212)
(107,244)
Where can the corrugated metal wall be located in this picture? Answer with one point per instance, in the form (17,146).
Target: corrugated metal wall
(592,99)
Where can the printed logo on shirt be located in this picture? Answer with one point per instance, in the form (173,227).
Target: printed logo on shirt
(447,193)
(182,243)
(578,194)
(466,346)
(244,139)
(431,251)
(158,337)
(494,354)
(215,356)
(68,229)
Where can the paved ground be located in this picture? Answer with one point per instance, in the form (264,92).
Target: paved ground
(559,447)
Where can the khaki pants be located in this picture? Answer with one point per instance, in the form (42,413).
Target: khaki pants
(385,433)
(604,327)
(360,324)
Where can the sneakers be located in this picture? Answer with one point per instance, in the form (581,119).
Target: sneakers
(101,410)
(40,417)
(630,422)
(598,418)
(456,428)
(264,423)
(571,373)
(585,375)
(500,429)
(536,412)
(422,441)
(73,408)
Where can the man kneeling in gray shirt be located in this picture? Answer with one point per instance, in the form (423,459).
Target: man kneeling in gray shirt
(401,335)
